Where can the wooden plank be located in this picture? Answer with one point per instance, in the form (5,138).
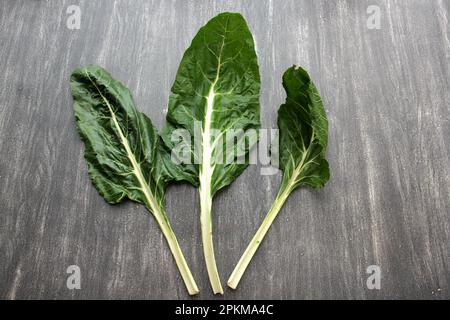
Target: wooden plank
(386,92)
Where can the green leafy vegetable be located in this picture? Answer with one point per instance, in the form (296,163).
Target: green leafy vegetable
(303,141)
(217,90)
(123,150)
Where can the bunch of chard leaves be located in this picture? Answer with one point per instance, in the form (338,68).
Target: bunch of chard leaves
(216,91)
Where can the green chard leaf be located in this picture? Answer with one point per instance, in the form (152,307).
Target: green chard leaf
(303,128)
(123,151)
(216,91)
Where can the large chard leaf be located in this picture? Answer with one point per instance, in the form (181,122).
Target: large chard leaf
(216,90)
(303,141)
(123,150)
(217,86)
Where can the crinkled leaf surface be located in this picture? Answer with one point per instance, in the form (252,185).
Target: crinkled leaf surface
(303,133)
(121,145)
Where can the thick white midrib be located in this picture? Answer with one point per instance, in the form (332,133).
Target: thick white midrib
(205,177)
(206,172)
(206,167)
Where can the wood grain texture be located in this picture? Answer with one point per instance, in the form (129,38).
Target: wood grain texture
(388,203)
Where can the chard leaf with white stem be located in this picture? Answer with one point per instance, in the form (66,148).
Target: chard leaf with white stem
(303,129)
(217,89)
(123,151)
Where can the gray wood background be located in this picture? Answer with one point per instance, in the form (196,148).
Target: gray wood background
(387,97)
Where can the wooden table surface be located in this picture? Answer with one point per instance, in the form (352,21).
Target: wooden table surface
(386,92)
